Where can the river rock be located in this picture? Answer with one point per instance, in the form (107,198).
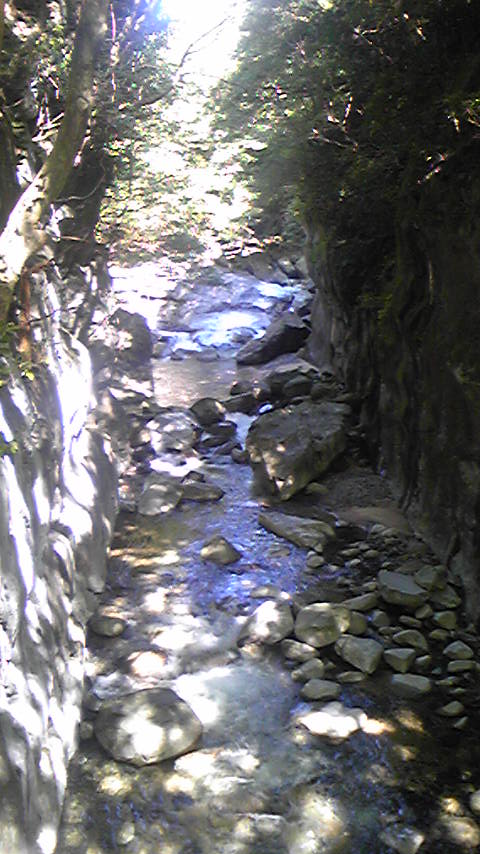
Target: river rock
(160,495)
(321,623)
(134,339)
(270,623)
(451,710)
(411,637)
(208,411)
(147,726)
(298,530)
(458,649)
(403,839)
(291,446)
(364,602)
(320,689)
(364,653)
(199,491)
(400,659)
(411,685)
(446,598)
(312,669)
(107,625)
(220,551)
(399,589)
(431,577)
(334,721)
(284,335)
(297,651)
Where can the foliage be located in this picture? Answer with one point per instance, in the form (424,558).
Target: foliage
(353,105)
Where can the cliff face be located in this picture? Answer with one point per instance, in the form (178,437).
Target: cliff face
(411,353)
(57,506)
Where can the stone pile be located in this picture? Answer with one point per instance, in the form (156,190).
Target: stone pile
(402,622)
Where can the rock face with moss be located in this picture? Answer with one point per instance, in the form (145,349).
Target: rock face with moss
(412,353)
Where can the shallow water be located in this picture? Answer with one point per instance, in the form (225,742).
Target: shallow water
(258,782)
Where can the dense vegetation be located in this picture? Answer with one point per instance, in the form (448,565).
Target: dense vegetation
(356,106)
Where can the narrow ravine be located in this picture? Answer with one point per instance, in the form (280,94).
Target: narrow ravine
(360,742)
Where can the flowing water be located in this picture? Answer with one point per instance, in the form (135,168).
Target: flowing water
(258,783)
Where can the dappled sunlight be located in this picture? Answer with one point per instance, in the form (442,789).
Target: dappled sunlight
(154,601)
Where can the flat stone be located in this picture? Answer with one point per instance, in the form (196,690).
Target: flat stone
(458,649)
(399,589)
(147,727)
(439,635)
(411,637)
(321,623)
(296,651)
(350,677)
(314,561)
(461,666)
(296,529)
(312,669)
(451,710)
(334,721)
(363,603)
(400,659)
(220,551)
(198,491)
(410,685)
(410,622)
(424,612)
(286,334)
(363,653)
(270,623)
(320,689)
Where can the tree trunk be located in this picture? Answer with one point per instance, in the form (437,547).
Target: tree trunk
(22,235)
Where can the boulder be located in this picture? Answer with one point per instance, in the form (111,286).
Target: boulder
(208,411)
(400,659)
(305,533)
(321,623)
(320,689)
(195,490)
(399,589)
(364,653)
(160,495)
(134,340)
(220,551)
(410,685)
(285,335)
(291,446)
(147,727)
(270,623)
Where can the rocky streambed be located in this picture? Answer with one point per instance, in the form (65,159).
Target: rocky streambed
(278,662)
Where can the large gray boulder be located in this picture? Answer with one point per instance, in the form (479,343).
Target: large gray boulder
(147,727)
(284,335)
(291,446)
(301,531)
(134,339)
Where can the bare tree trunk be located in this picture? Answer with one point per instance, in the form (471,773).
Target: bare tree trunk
(22,235)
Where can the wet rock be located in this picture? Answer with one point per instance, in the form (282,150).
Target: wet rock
(220,551)
(363,653)
(320,689)
(403,839)
(312,669)
(285,335)
(173,430)
(147,727)
(431,577)
(379,619)
(270,623)
(458,649)
(411,685)
(298,530)
(334,721)
(208,411)
(411,637)
(321,623)
(423,663)
(291,446)
(400,659)
(297,651)
(358,623)
(219,434)
(399,589)
(160,495)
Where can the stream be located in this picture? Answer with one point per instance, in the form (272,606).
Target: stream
(391,773)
